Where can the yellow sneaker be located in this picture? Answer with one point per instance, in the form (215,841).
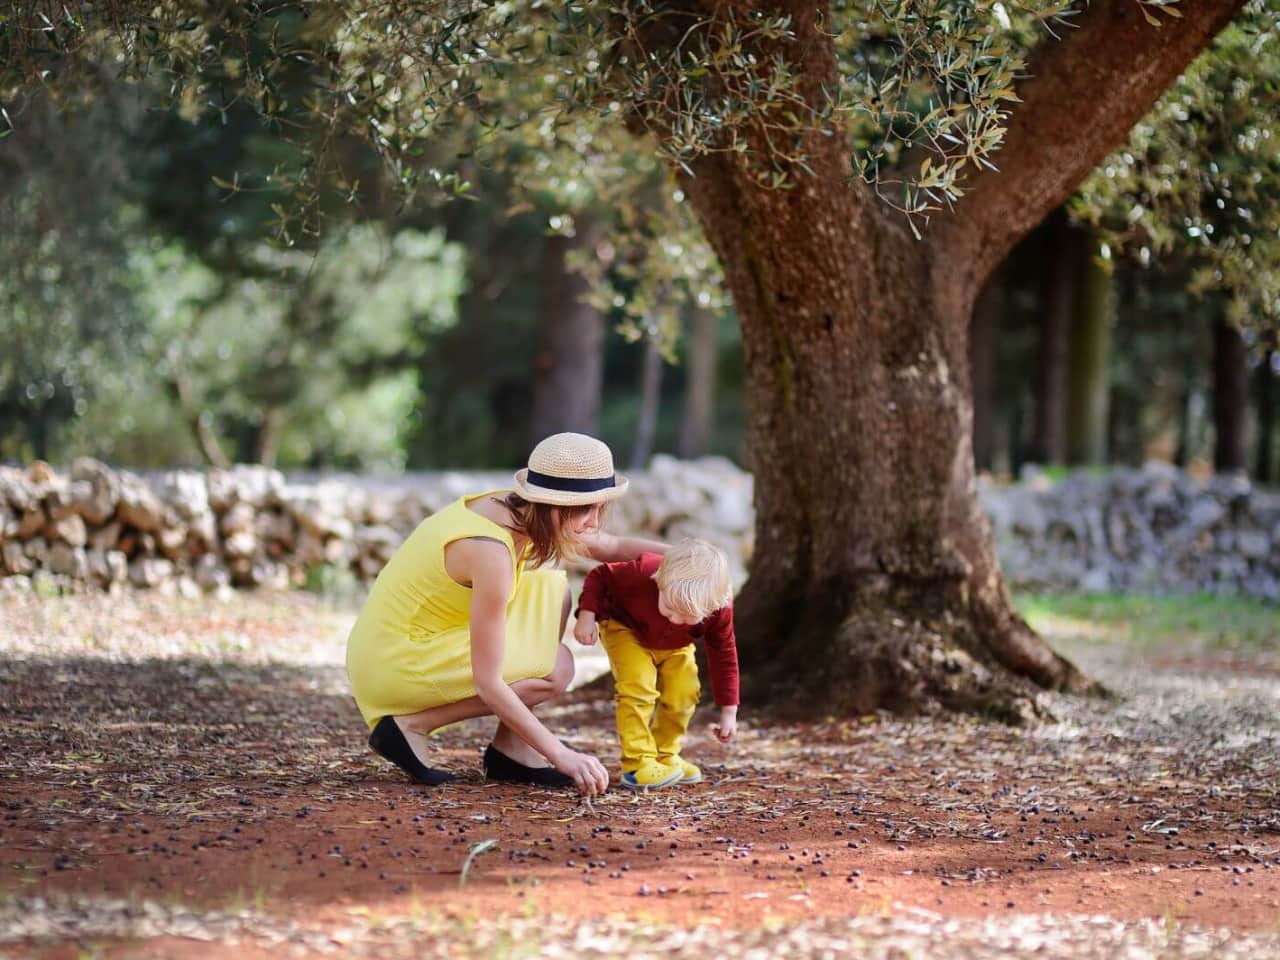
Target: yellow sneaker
(651,775)
(689,772)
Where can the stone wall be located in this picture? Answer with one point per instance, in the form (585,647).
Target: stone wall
(250,526)
(1154,529)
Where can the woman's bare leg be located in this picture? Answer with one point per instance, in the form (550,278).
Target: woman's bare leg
(504,738)
(418,726)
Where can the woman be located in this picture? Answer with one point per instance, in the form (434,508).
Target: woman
(457,627)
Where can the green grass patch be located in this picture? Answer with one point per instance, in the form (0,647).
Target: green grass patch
(1055,473)
(1200,618)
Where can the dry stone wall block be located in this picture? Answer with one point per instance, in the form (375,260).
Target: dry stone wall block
(16,561)
(68,560)
(70,529)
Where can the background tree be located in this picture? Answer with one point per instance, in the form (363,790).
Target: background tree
(1196,190)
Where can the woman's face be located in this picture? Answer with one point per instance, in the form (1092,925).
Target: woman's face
(582,523)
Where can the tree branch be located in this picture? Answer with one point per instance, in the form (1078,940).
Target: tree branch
(1082,96)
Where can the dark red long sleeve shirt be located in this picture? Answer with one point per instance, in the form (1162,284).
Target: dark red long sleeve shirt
(626,592)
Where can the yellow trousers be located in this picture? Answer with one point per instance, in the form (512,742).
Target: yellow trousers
(656,692)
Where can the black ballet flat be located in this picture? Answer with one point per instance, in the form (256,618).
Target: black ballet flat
(388,741)
(498,766)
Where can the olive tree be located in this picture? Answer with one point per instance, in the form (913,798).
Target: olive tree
(858,167)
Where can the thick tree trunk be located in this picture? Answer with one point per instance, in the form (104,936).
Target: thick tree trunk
(1230,397)
(874,580)
(1089,380)
(1057,308)
(569,364)
(698,412)
(982,356)
(650,400)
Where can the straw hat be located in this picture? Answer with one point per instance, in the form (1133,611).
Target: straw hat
(570,470)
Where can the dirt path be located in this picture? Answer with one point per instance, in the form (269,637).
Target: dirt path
(175,776)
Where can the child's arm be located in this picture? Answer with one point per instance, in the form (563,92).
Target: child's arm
(585,630)
(722,662)
(595,591)
(727,727)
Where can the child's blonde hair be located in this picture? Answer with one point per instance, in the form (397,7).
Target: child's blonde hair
(694,578)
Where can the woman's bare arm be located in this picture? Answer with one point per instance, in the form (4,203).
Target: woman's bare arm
(610,548)
(487,564)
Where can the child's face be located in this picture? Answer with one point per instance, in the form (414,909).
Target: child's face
(672,614)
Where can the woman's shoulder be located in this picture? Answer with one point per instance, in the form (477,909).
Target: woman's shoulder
(489,504)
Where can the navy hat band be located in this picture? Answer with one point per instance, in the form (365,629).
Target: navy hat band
(567,484)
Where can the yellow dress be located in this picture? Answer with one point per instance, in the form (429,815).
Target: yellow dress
(410,648)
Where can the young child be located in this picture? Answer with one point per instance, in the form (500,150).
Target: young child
(651,610)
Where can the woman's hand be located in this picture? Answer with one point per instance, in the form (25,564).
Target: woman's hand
(727,728)
(588,773)
(585,630)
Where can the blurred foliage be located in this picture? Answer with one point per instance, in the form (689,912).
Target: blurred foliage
(933,76)
(1199,182)
(138,295)
(312,232)
(65,296)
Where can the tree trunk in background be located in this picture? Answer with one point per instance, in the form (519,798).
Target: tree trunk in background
(982,348)
(1182,452)
(1089,377)
(1264,466)
(1057,311)
(38,432)
(569,363)
(198,418)
(267,443)
(698,412)
(650,400)
(1230,397)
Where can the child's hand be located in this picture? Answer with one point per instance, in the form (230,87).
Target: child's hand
(727,728)
(585,630)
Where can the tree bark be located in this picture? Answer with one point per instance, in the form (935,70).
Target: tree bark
(1230,397)
(698,412)
(1057,307)
(875,581)
(1089,379)
(569,364)
(650,401)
